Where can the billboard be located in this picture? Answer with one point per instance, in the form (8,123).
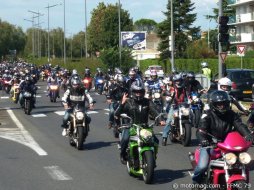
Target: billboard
(134,39)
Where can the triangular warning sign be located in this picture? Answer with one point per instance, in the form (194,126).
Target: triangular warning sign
(241,49)
(223,56)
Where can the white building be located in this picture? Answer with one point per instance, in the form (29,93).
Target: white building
(243,22)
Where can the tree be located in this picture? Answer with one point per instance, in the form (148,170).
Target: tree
(183,31)
(145,25)
(103,28)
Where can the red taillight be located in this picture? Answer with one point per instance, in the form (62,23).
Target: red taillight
(234,86)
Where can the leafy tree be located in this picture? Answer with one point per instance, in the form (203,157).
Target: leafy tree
(103,28)
(78,44)
(110,57)
(183,31)
(145,25)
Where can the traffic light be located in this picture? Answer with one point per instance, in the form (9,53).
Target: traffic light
(223,29)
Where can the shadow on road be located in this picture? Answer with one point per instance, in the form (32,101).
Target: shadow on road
(165,176)
(97,145)
(251,165)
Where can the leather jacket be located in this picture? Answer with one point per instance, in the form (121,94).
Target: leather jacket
(220,125)
(138,110)
(116,92)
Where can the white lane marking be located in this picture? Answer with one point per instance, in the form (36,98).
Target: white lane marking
(57,173)
(38,96)
(38,87)
(22,136)
(190,173)
(59,112)
(106,109)
(5,97)
(91,112)
(39,115)
(45,91)
(107,113)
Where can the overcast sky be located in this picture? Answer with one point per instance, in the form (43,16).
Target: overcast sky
(15,11)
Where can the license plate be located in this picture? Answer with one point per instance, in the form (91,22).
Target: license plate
(247,92)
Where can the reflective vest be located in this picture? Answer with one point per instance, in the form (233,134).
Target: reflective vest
(207,72)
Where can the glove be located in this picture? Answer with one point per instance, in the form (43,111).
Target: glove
(249,138)
(205,143)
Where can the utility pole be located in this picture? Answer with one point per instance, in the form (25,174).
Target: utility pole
(119,28)
(86,30)
(220,48)
(172,37)
(32,21)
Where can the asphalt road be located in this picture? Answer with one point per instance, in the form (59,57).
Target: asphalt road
(34,155)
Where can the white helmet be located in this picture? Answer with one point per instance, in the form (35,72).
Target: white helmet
(224,84)
(204,64)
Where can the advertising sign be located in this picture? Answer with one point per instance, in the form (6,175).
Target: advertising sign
(135,40)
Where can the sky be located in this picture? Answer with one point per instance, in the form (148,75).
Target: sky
(15,11)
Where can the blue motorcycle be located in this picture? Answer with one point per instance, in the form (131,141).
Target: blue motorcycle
(99,83)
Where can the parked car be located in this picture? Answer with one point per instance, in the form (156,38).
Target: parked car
(157,68)
(242,82)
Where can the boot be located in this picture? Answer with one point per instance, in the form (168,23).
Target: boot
(164,141)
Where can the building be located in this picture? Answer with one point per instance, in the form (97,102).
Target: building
(243,20)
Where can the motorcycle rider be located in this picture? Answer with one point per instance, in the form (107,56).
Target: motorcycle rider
(132,77)
(218,121)
(75,94)
(116,92)
(206,70)
(193,85)
(178,95)
(153,83)
(138,108)
(27,85)
(225,84)
(53,79)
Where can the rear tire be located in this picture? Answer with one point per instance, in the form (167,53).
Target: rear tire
(148,170)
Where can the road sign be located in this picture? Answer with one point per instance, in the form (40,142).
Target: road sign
(223,56)
(241,49)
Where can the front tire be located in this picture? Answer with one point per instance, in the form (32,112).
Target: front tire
(80,138)
(186,137)
(148,170)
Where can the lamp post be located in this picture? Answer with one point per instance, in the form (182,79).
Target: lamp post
(86,30)
(119,28)
(48,7)
(64,38)
(172,37)
(32,21)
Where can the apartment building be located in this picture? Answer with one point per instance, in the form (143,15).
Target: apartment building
(243,22)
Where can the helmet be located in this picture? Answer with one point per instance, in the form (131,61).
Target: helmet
(178,81)
(219,101)
(120,80)
(118,71)
(204,64)
(153,74)
(75,82)
(183,75)
(74,72)
(191,76)
(28,79)
(225,84)
(132,74)
(137,90)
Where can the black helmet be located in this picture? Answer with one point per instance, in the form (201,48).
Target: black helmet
(120,80)
(191,76)
(178,81)
(28,79)
(219,101)
(137,90)
(75,82)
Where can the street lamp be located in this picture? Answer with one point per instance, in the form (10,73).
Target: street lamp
(172,37)
(86,30)
(119,28)
(64,38)
(32,21)
(48,7)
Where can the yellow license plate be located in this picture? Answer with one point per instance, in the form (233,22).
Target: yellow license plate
(247,92)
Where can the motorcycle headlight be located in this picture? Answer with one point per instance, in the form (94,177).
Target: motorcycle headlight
(185,111)
(86,81)
(157,95)
(27,94)
(80,115)
(244,158)
(100,81)
(145,134)
(230,158)
(53,87)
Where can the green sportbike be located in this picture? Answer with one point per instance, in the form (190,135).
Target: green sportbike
(142,149)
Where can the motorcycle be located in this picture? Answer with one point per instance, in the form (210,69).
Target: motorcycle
(157,98)
(228,163)
(53,92)
(43,75)
(7,85)
(99,83)
(15,93)
(78,128)
(181,126)
(88,83)
(196,107)
(142,149)
(28,102)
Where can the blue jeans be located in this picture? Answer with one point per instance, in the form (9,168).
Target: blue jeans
(168,123)
(202,165)
(112,107)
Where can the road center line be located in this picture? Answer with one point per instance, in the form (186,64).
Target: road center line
(27,139)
